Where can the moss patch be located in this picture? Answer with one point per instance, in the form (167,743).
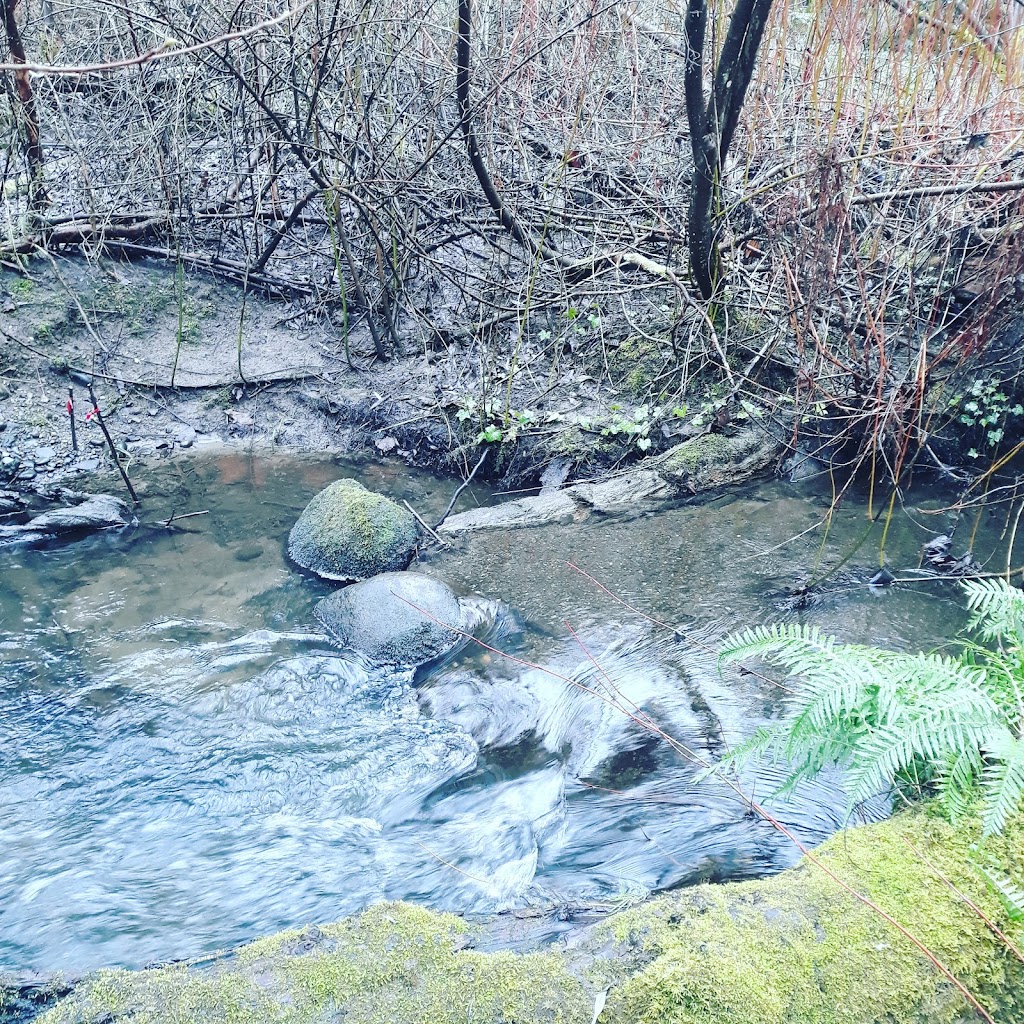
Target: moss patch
(797,948)
(393,964)
(714,460)
(140,304)
(636,364)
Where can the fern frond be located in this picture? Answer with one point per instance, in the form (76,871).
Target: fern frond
(831,678)
(887,752)
(997,610)
(764,741)
(1010,894)
(1003,782)
(889,717)
(754,641)
(957,779)
(913,680)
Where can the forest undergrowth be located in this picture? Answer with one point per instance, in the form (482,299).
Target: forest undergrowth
(869,219)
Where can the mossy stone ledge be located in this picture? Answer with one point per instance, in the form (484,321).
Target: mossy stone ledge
(792,949)
(349,533)
(799,949)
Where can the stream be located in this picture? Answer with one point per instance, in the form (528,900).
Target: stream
(186,762)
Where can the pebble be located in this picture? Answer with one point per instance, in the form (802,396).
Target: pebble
(43,455)
(87,465)
(152,412)
(184,435)
(97,441)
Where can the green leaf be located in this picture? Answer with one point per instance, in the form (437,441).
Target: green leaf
(1004,780)
(892,719)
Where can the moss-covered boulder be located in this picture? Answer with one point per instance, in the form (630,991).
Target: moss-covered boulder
(349,533)
(397,618)
(800,949)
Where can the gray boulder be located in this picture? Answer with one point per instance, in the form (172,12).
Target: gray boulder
(349,533)
(378,619)
(97,512)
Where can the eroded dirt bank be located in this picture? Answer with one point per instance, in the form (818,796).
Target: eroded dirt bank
(178,361)
(179,364)
(175,369)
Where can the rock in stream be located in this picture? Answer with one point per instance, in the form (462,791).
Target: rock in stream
(348,533)
(396,618)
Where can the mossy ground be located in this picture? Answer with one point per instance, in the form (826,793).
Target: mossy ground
(795,948)
(637,363)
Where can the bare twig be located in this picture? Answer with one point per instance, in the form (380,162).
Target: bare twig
(458,490)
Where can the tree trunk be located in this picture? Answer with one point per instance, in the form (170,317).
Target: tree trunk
(713,125)
(33,146)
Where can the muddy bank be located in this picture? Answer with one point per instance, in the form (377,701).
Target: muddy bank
(794,948)
(176,369)
(179,362)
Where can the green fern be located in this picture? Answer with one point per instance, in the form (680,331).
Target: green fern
(997,611)
(894,719)
(1003,781)
(1010,894)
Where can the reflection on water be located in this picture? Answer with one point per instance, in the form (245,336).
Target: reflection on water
(186,763)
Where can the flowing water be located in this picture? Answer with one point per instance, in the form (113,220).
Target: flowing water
(186,762)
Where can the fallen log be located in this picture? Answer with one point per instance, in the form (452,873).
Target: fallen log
(697,465)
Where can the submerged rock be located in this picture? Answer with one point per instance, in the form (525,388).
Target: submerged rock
(382,619)
(348,533)
(97,512)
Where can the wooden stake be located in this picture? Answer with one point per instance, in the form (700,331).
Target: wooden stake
(110,444)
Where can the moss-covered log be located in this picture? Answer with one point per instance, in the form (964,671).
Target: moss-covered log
(794,948)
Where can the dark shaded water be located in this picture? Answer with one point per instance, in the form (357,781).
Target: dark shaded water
(185,763)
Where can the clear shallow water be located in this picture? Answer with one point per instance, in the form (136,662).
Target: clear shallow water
(186,763)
